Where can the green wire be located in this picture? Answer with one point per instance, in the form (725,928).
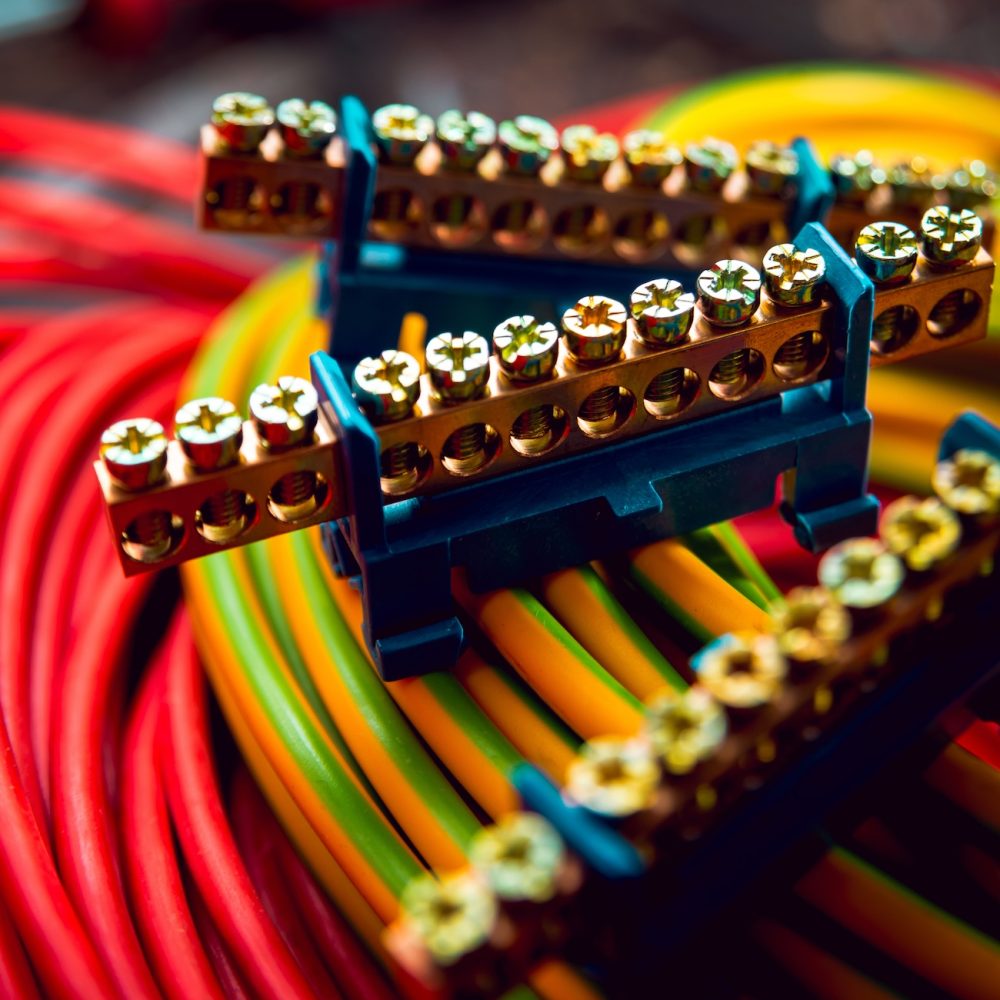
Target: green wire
(713,551)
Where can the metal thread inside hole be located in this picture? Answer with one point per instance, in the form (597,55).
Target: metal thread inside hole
(605,411)
(152,536)
(470,449)
(954,313)
(893,328)
(225,515)
(538,430)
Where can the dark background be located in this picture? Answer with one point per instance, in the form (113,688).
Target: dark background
(502,56)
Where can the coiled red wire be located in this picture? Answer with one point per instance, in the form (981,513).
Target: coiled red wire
(123,870)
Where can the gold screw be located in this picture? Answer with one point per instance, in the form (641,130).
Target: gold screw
(465,138)
(285,416)
(886,252)
(387,385)
(526,348)
(459,365)
(135,453)
(401,131)
(306,126)
(949,237)
(912,182)
(587,153)
(662,311)
(792,276)
(861,573)
(855,177)
(922,532)
(452,916)
(770,167)
(526,143)
(742,670)
(649,157)
(709,163)
(684,729)
(811,625)
(519,857)
(971,185)
(594,329)
(210,431)
(241,120)
(729,292)
(969,482)
(612,776)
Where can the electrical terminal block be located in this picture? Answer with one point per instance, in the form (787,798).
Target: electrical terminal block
(639,805)
(222,481)
(465,183)
(866,190)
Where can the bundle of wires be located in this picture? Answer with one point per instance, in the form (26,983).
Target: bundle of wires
(143,857)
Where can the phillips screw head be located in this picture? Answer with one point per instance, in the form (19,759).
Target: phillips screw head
(452,915)
(387,385)
(950,237)
(526,348)
(210,431)
(465,138)
(613,776)
(792,276)
(684,729)
(242,120)
(729,292)
(285,414)
(594,329)
(969,482)
(458,364)
(649,157)
(811,624)
(135,453)
(520,857)
(861,573)
(662,311)
(587,153)
(401,131)
(855,176)
(709,163)
(912,182)
(770,167)
(921,531)
(306,127)
(526,143)
(742,670)
(886,252)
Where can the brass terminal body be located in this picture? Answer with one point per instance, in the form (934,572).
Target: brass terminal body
(684,729)
(519,857)
(612,776)
(861,573)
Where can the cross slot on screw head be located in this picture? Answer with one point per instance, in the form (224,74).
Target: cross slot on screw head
(465,138)
(587,153)
(886,252)
(649,157)
(861,573)
(241,120)
(135,453)
(662,311)
(526,348)
(459,365)
(770,167)
(594,329)
(519,857)
(950,237)
(613,776)
(401,131)
(709,163)
(285,414)
(387,385)
(210,431)
(792,276)
(729,292)
(526,143)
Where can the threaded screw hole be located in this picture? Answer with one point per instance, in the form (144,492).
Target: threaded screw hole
(894,328)
(224,516)
(605,411)
(152,536)
(538,430)
(670,392)
(297,496)
(800,355)
(954,313)
(470,449)
(735,375)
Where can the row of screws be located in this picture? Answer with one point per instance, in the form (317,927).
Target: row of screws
(913,183)
(210,431)
(740,673)
(526,143)
(522,859)
(593,333)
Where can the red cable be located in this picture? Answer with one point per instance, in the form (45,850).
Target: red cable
(16,979)
(234,985)
(164,919)
(203,830)
(255,827)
